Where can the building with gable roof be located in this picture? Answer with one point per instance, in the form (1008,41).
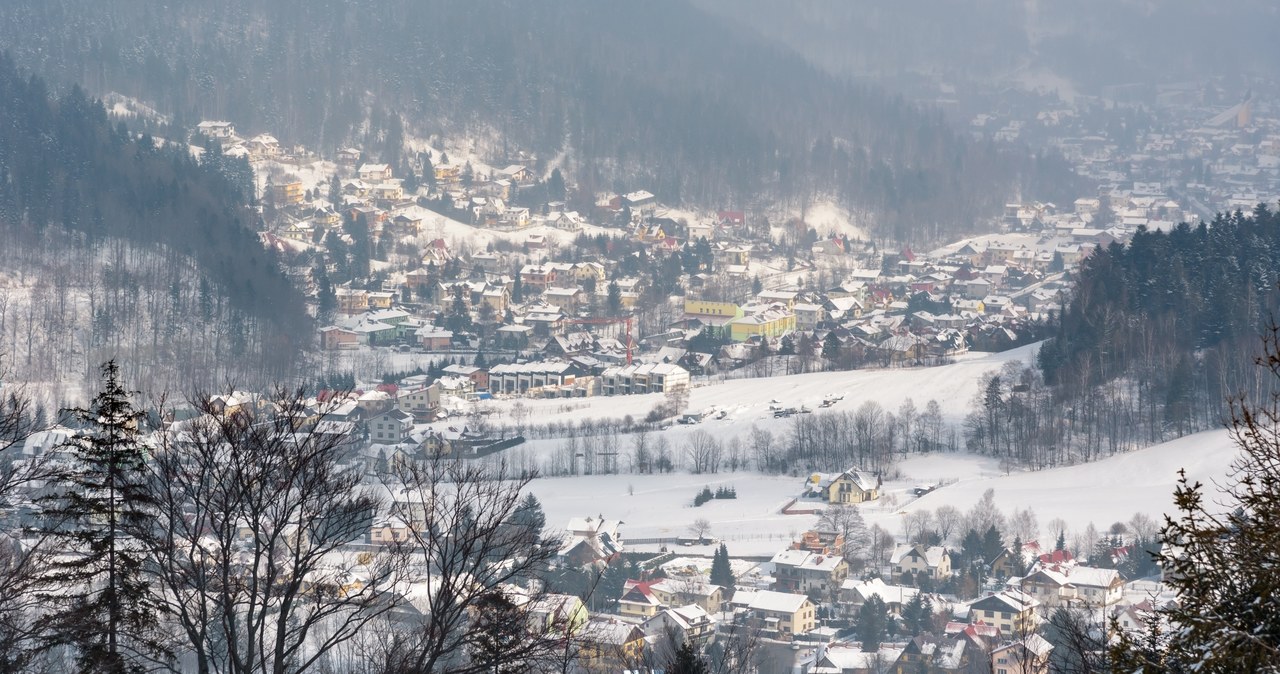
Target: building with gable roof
(1013,611)
(781,614)
(912,560)
(806,572)
(1072,585)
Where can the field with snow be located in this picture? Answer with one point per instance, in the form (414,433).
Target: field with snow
(1101,492)
(1097,493)
(747,402)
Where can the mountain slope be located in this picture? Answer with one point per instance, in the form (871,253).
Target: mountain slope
(655,94)
(65,168)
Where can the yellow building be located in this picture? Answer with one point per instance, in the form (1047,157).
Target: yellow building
(782,613)
(611,646)
(380,299)
(853,486)
(1012,611)
(448,172)
(773,321)
(695,308)
(288,194)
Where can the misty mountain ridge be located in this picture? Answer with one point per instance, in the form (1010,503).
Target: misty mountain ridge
(1088,45)
(656,95)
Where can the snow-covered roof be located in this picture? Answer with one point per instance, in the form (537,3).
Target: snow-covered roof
(777,602)
(876,587)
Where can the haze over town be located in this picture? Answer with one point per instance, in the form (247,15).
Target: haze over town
(686,335)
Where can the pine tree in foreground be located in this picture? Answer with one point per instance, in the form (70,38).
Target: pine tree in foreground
(98,592)
(1220,555)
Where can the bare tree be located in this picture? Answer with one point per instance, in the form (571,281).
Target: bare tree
(947,518)
(641,453)
(984,514)
(700,528)
(762,448)
(1143,527)
(847,522)
(476,556)
(254,511)
(704,452)
(880,544)
(917,523)
(1023,525)
(22,563)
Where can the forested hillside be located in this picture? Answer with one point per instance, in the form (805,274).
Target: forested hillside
(154,242)
(1157,336)
(655,95)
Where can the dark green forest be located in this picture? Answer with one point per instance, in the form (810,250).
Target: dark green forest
(1165,301)
(655,95)
(74,186)
(1158,335)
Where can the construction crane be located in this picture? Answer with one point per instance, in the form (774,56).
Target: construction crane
(607,321)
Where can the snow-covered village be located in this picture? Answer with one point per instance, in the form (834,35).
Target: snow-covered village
(684,337)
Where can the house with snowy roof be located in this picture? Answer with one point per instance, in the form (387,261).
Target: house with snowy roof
(910,561)
(851,486)
(1013,611)
(780,614)
(1073,585)
(216,129)
(687,624)
(838,658)
(805,572)
(854,593)
(591,540)
(1029,655)
(374,173)
(932,653)
(390,428)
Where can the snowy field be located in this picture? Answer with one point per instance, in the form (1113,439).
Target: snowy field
(746,402)
(1101,492)
(1098,493)
(661,506)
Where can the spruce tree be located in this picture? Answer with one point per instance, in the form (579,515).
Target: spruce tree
(873,622)
(101,595)
(721,571)
(687,661)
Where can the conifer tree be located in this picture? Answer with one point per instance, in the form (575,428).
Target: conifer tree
(687,661)
(721,571)
(99,589)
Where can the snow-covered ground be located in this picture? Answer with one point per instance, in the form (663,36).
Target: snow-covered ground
(747,402)
(661,506)
(827,217)
(1101,492)
(1098,493)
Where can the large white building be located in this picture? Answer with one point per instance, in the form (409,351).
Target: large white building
(643,378)
(519,378)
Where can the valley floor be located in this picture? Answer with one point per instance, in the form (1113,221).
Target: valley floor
(1098,493)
